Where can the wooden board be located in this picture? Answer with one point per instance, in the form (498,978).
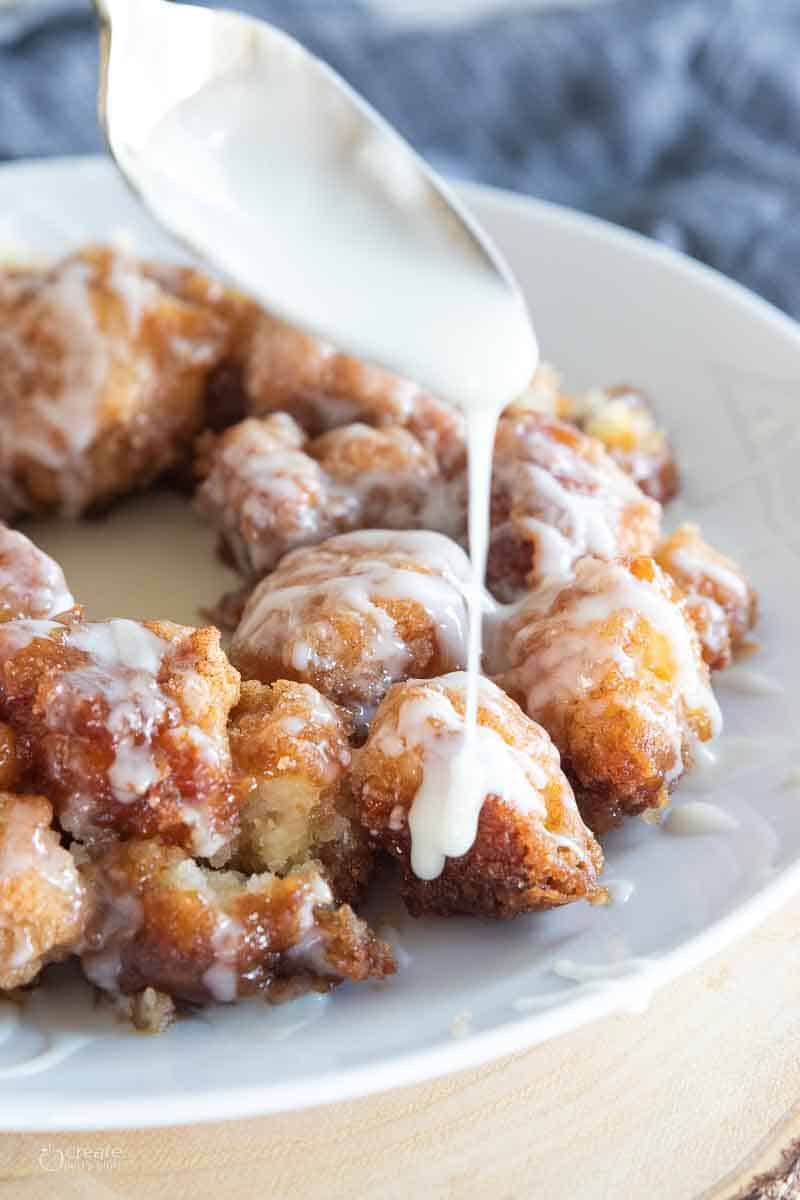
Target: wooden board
(692,1099)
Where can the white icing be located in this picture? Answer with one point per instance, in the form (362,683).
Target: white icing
(731,754)
(124,660)
(222,977)
(567,968)
(619,890)
(122,917)
(309,950)
(281,621)
(120,643)
(461,1025)
(590,531)
(205,156)
(569,502)
(30,581)
(254,115)
(699,566)
(698,817)
(570,664)
(18,635)
(391,935)
(459,771)
(716,624)
(137,292)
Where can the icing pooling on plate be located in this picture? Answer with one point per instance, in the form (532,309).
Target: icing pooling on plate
(697,817)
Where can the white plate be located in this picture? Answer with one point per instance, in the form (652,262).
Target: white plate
(723,367)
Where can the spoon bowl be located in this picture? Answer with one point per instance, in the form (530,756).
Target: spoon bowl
(265,162)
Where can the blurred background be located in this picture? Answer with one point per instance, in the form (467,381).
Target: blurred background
(679,118)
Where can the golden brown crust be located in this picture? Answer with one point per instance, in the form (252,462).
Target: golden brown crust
(720,598)
(43,903)
(31,583)
(264,494)
(124,724)
(224,400)
(558,495)
(289,371)
(621,697)
(267,489)
(519,861)
(356,613)
(621,417)
(293,747)
(103,381)
(200,935)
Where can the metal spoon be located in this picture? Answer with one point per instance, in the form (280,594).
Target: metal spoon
(262,159)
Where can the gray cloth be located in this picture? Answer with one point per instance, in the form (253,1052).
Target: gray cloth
(680,118)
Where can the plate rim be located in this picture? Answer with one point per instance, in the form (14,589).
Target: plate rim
(59,1111)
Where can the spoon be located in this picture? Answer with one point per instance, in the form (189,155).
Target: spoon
(260,158)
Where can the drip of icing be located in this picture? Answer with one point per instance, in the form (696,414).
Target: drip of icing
(124,662)
(206,156)
(619,890)
(222,977)
(459,771)
(481,428)
(698,817)
(278,614)
(391,935)
(122,918)
(591,530)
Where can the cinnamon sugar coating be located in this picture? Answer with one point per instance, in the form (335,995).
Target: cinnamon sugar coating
(531,849)
(293,747)
(356,613)
(557,495)
(719,596)
(43,902)
(201,936)
(124,725)
(31,583)
(611,665)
